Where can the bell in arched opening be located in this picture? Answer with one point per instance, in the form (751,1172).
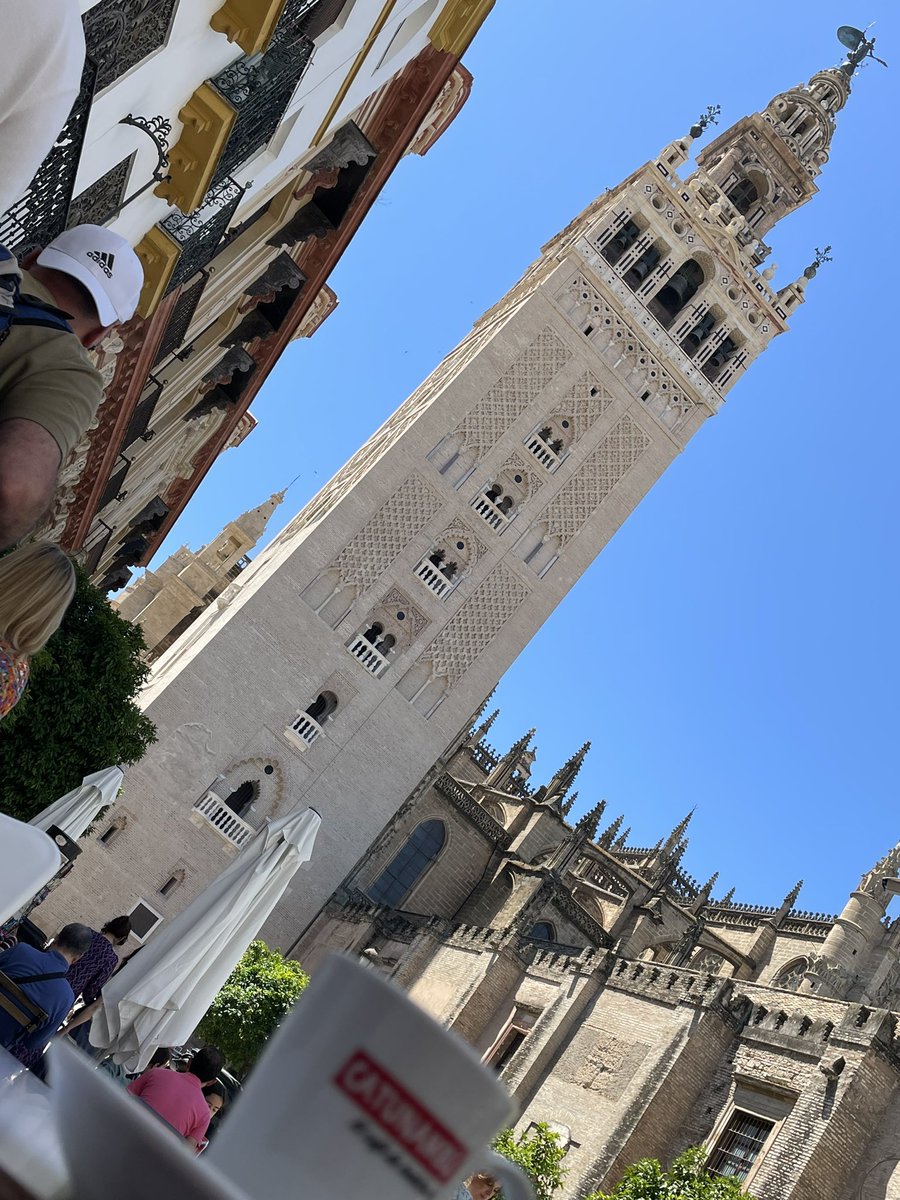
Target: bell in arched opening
(675,294)
(620,242)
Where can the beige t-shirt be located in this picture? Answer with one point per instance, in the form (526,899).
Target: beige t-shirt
(47,377)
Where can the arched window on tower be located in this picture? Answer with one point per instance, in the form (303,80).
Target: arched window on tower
(695,337)
(676,292)
(242,797)
(501,499)
(550,442)
(725,350)
(448,561)
(638,272)
(743,195)
(623,239)
(408,865)
(308,725)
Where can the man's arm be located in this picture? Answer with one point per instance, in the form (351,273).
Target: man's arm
(83,1014)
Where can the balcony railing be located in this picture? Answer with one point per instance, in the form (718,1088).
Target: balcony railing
(366,654)
(433,579)
(490,512)
(224,820)
(260,87)
(200,234)
(304,731)
(42,213)
(542,452)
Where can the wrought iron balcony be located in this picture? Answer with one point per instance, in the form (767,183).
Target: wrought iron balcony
(41,214)
(200,234)
(260,86)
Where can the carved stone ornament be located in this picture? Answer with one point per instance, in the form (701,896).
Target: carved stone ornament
(349,145)
(236,359)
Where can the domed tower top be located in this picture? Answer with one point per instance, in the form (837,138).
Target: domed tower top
(765,164)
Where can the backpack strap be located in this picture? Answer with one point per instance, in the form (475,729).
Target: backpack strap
(29,310)
(21,1007)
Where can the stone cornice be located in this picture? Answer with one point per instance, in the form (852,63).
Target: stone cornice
(470,808)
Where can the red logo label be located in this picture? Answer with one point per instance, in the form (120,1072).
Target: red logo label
(402,1117)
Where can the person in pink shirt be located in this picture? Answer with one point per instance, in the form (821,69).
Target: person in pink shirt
(177,1096)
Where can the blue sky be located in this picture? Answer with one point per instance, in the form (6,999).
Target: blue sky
(735,646)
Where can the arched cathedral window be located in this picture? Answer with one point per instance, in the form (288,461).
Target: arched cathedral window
(791,974)
(543,931)
(639,271)
(408,865)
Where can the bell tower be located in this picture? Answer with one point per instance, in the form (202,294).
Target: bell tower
(355,648)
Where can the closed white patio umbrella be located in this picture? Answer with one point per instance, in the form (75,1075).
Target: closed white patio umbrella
(77,810)
(160,996)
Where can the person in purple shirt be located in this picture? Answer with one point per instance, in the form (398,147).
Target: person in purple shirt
(91,973)
(41,975)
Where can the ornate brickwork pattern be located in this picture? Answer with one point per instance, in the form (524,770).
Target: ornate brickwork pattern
(585,403)
(371,551)
(476,624)
(604,327)
(617,453)
(508,398)
(600,1062)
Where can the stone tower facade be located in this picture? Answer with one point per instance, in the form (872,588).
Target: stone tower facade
(360,642)
(166,601)
(622,1003)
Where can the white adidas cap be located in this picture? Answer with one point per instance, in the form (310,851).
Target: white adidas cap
(105,263)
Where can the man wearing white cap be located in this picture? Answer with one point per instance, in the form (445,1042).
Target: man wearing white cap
(74,290)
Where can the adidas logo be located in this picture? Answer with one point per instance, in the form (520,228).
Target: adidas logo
(104,261)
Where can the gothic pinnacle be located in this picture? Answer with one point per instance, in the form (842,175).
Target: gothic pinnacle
(589,823)
(677,834)
(728,898)
(568,804)
(791,898)
(622,840)
(707,888)
(565,776)
(612,833)
(484,728)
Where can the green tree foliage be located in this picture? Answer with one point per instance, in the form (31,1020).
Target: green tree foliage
(257,995)
(78,713)
(539,1153)
(686,1179)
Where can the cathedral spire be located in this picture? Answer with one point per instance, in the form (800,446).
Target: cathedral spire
(514,767)
(254,521)
(481,731)
(622,840)
(555,791)
(612,833)
(588,824)
(677,836)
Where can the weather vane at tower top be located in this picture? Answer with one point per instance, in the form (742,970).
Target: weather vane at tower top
(859,47)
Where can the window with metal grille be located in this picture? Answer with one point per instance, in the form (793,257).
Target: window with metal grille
(739,1145)
(180,320)
(114,484)
(120,33)
(407,866)
(144,920)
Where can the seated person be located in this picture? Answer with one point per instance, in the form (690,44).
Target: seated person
(66,300)
(41,975)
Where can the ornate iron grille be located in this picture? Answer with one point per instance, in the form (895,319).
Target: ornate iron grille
(41,214)
(199,234)
(95,203)
(141,417)
(180,320)
(120,33)
(260,87)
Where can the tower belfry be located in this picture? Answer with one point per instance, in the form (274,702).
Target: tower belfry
(358,644)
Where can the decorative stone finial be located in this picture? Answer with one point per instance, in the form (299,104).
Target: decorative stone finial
(710,117)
